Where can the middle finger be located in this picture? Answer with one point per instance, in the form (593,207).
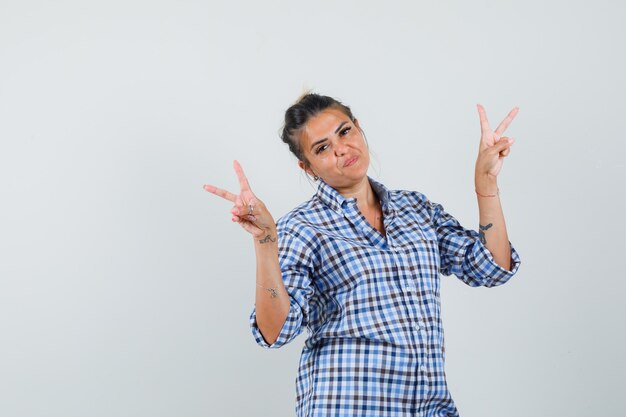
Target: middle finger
(507,121)
(220,192)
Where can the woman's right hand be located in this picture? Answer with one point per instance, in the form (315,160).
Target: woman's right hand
(248,210)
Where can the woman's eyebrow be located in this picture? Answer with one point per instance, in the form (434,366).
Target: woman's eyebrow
(318,142)
(323,139)
(340,126)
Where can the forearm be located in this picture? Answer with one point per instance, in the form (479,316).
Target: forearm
(492,227)
(272,300)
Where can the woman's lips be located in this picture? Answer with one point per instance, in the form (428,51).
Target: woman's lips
(350,161)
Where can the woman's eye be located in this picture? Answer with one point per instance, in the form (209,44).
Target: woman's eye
(344,131)
(321,149)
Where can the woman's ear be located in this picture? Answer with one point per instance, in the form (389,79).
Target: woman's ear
(305,168)
(356,123)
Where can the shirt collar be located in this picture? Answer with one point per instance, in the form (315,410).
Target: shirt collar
(331,197)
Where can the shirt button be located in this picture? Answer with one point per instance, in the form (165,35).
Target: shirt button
(422,368)
(420,326)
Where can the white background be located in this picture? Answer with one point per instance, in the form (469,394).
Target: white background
(125,289)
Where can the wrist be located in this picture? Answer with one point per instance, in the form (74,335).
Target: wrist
(269,237)
(486,184)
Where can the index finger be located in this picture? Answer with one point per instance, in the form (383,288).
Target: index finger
(484,123)
(243,181)
(507,121)
(220,192)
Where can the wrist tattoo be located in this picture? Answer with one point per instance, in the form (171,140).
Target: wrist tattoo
(481,233)
(267,239)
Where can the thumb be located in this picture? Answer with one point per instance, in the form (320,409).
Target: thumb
(502,144)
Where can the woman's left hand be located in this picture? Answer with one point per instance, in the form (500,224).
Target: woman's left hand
(493,146)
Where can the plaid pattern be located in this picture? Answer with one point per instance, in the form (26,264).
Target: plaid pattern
(371,302)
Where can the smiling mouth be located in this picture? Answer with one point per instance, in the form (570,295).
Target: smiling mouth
(350,161)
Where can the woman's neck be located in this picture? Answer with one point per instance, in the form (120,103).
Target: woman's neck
(364,194)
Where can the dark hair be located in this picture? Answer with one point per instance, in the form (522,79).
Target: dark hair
(296,117)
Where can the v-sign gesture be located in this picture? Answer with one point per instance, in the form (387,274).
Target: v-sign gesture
(248,210)
(493,146)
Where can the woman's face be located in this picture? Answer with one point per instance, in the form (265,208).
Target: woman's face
(335,148)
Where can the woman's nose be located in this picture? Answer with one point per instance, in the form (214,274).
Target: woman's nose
(340,148)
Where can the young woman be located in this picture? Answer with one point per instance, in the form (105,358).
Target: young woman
(358,265)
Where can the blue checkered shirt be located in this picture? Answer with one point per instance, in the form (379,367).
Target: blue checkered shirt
(371,302)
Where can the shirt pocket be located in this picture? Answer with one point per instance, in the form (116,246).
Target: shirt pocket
(344,266)
(423,258)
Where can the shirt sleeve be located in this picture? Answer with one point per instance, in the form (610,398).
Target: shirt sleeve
(296,263)
(464,255)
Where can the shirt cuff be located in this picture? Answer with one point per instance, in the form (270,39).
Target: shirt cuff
(291,328)
(487,271)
